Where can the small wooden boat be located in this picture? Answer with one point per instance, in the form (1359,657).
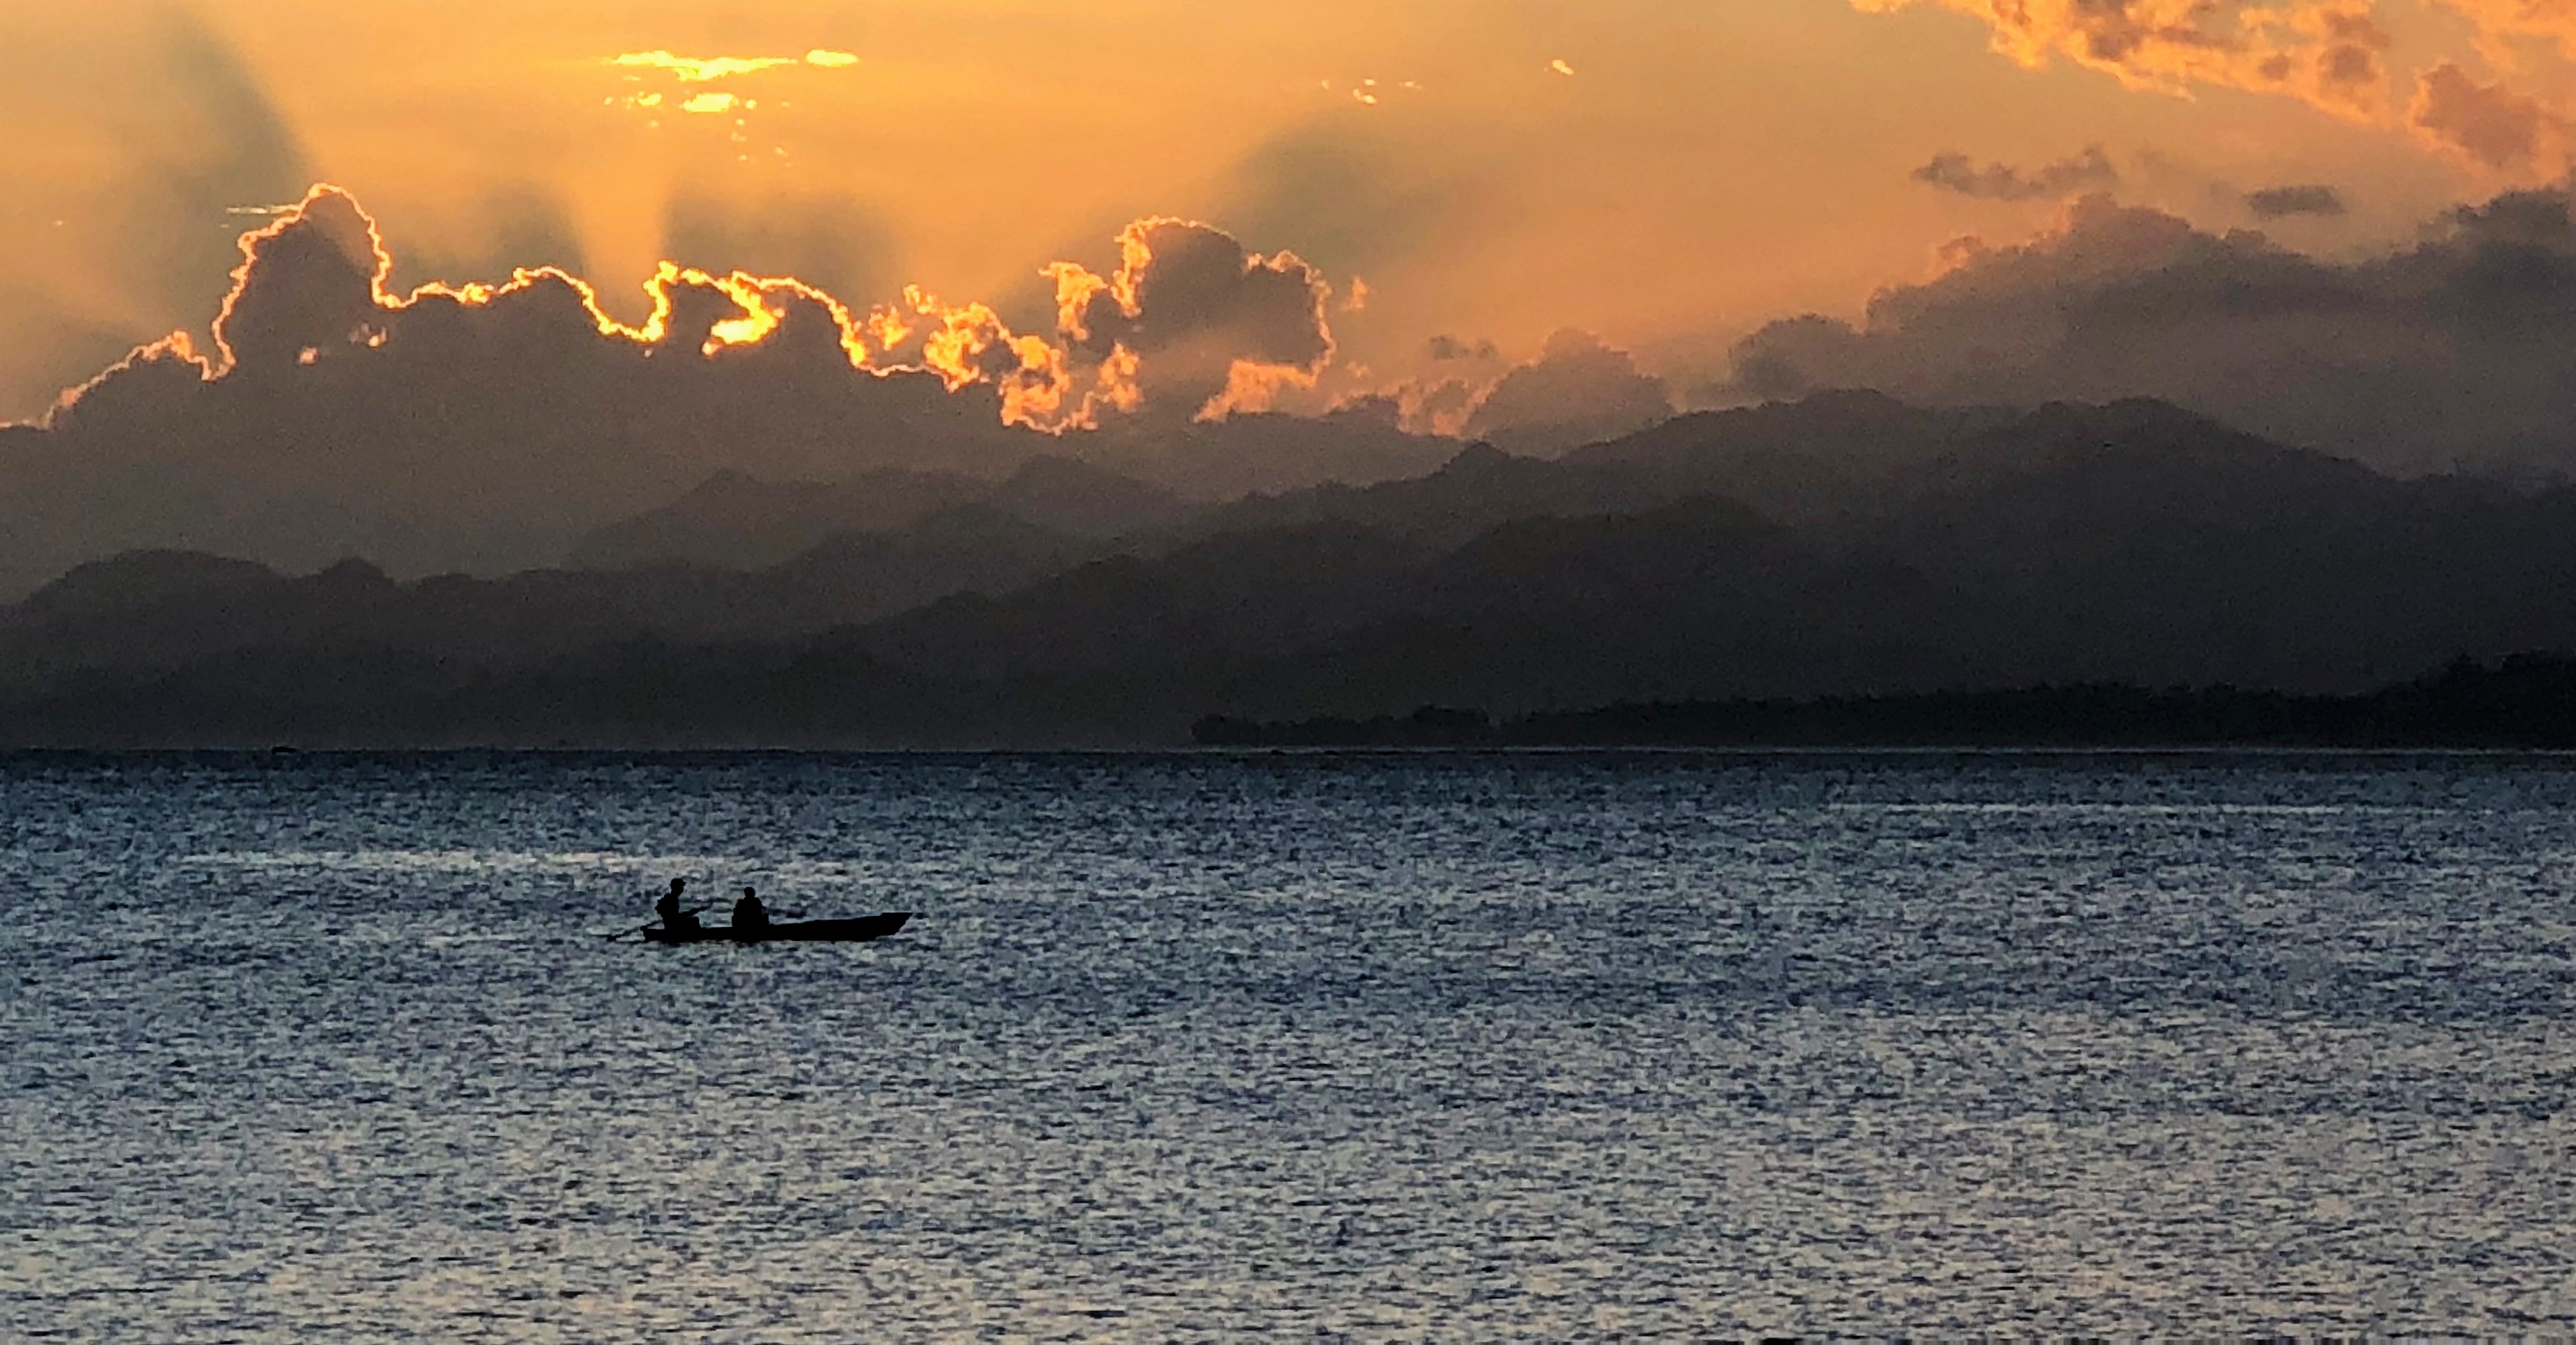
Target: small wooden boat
(858,929)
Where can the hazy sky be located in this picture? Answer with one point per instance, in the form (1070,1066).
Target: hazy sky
(1668,173)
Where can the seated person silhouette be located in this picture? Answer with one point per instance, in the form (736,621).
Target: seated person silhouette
(749,914)
(673,918)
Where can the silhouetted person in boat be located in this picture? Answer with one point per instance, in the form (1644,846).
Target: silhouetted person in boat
(748,913)
(668,908)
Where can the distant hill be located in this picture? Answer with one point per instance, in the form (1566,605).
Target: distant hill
(1825,459)
(1215,461)
(733,522)
(2525,702)
(708,465)
(1844,547)
(169,611)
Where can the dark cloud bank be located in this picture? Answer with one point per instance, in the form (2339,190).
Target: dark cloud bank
(1955,172)
(2456,353)
(2295,201)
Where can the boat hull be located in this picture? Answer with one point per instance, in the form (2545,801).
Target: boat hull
(858,929)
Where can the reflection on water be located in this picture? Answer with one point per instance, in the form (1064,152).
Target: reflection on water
(328,1048)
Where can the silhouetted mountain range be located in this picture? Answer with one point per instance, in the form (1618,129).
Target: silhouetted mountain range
(733,522)
(1846,546)
(438,479)
(169,610)
(1214,461)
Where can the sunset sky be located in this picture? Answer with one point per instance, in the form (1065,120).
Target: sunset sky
(1670,174)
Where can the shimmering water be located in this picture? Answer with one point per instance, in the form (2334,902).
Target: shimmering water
(1386,1047)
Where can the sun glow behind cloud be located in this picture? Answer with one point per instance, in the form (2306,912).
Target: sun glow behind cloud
(700,69)
(709,69)
(1191,324)
(695,70)
(1709,168)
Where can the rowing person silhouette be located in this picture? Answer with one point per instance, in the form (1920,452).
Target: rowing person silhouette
(749,916)
(674,919)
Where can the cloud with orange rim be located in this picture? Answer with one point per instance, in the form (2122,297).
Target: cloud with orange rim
(2332,54)
(527,400)
(311,288)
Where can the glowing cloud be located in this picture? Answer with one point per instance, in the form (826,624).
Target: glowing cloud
(1372,92)
(476,426)
(2325,51)
(1191,321)
(709,69)
(1215,327)
(703,70)
(2330,53)
(700,69)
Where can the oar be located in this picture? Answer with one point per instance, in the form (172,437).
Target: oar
(647,925)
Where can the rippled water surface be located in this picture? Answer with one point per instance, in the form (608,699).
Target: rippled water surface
(330,1048)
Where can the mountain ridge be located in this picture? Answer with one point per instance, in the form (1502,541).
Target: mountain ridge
(1902,552)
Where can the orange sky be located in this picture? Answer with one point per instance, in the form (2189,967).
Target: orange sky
(1705,166)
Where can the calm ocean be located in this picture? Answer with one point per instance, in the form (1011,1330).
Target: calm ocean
(1385,1047)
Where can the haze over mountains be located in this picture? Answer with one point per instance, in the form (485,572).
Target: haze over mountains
(1846,544)
(496,513)
(489,429)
